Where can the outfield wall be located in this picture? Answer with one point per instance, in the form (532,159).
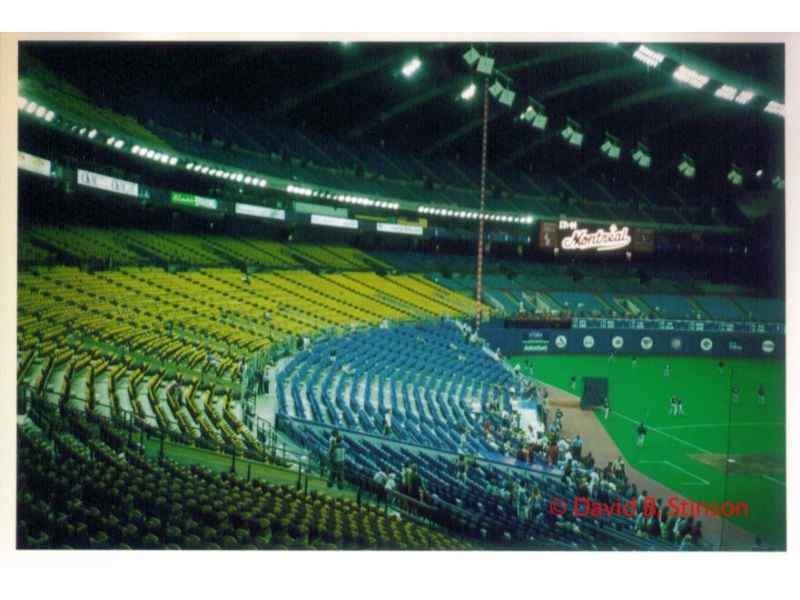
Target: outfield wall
(515,342)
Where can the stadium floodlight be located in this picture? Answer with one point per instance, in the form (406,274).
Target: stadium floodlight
(778,182)
(507,97)
(469,92)
(485,65)
(248,179)
(411,67)
(31,108)
(759,173)
(690,76)
(496,89)
(110,141)
(41,111)
(641,156)
(686,167)
(726,92)
(92,134)
(262,183)
(534,115)
(572,133)
(22,102)
(735,175)
(744,97)
(528,115)
(775,108)
(119,144)
(611,147)
(649,57)
(173,161)
(49,116)
(471,56)
(135,150)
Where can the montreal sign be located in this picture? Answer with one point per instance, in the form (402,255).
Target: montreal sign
(583,240)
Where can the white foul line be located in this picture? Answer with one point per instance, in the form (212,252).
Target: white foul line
(672,437)
(666,462)
(753,424)
(780,483)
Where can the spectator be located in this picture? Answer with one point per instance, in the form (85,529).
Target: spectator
(577,446)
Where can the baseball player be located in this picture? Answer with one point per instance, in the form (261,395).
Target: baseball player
(762,395)
(642,431)
(667,370)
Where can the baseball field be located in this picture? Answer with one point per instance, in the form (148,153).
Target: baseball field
(718,450)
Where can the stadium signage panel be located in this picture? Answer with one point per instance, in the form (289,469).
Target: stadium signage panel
(334,222)
(194,201)
(680,325)
(396,228)
(34,164)
(109,184)
(310,208)
(264,212)
(600,240)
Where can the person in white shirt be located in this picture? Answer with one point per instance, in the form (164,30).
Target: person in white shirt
(380,478)
(391,486)
(387,422)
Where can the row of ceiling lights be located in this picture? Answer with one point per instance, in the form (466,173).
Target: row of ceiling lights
(226,175)
(344,198)
(473,215)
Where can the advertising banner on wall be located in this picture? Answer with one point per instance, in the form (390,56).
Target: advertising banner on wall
(34,164)
(108,184)
(512,341)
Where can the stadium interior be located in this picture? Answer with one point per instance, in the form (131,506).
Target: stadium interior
(247,275)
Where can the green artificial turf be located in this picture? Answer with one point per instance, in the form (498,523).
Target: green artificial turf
(642,392)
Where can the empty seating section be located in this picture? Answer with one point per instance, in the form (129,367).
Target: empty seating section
(579,302)
(674,307)
(427,375)
(172,247)
(763,309)
(84,244)
(116,247)
(85,487)
(718,307)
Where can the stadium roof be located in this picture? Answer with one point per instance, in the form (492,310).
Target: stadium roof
(358,94)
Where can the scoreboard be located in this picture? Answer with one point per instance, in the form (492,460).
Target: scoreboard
(680,325)
(575,238)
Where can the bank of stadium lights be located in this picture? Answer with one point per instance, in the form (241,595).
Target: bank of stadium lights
(37,110)
(690,76)
(735,175)
(534,115)
(468,93)
(775,108)
(611,147)
(744,97)
(411,67)
(503,94)
(641,156)
(686,167)
(572,133)
(726,92)
(649,57)
(481,63)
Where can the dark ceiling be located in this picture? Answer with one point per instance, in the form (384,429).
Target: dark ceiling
(357,94)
